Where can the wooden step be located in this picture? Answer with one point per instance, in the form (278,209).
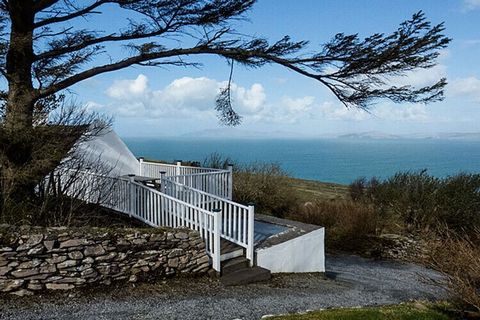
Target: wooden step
(234,265)
(230,250)
(246,276)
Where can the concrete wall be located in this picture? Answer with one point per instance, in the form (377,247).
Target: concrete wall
(305,253)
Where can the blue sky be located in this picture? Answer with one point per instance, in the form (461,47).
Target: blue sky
(158,102)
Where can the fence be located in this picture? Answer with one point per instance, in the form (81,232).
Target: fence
(218,182)
(190,197)
(237,220)
(148,205)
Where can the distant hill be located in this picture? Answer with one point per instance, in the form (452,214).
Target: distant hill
(242,134)
(369,135)
(236,133)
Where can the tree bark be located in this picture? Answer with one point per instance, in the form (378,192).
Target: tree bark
(17,125)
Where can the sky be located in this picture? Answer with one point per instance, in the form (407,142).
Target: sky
(154,102)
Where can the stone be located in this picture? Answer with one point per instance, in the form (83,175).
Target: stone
(121,256)
(52,279)
(73,243)
(104,269)
(88,273)
(9,285)
(133,278)
(157,237)
(6,249)
(77,281)
(181,235)
(139,241)
(29,264)
(67,264)
(56,259)
(202,260)
(31,242)
(5,270)
(35,286)
(22,273)
(22,293)
(97,250)
(173,263)
(107,257)
(88,260)
(49,244)
(59,286)
(176,253)
(36,250)
(75,255)
(3,262)
(49,268)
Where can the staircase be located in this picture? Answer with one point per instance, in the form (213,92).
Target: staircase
(236,269)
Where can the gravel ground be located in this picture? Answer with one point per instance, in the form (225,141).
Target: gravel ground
(351,281)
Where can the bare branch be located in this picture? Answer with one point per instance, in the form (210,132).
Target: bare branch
(72,15)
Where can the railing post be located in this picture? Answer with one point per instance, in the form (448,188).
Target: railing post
(230,182)
(251,234)
(177,169)
(132,195)
(140,162)
(216,257)
(163,187)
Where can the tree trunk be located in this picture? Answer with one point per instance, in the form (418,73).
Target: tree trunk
(17,126)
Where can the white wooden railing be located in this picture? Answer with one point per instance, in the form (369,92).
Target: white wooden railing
(150,206)
(190,197)
(237,221)
(218,182)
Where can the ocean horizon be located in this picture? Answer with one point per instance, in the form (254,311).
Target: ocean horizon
(330,160)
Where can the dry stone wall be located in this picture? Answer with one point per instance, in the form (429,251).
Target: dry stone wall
(39,259)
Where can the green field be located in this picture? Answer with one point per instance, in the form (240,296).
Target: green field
(308,190)
(399,312)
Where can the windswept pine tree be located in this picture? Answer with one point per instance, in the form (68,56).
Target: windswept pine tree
(44,52)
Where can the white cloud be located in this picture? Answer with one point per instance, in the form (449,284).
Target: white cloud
(410,113)
(467,87)
(195,98)
(126,89)
(333,111)
(421,77)
(384,112)
(469,5)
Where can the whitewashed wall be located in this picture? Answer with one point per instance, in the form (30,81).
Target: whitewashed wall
(302,254)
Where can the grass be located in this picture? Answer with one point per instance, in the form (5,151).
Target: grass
(307,190)
(398,312)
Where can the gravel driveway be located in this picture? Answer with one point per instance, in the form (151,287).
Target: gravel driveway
(352,281)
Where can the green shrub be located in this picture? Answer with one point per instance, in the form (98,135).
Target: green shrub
(265,185)
(349,225)
(424,201)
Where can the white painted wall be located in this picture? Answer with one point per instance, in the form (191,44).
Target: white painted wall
(302,254)
(112,151)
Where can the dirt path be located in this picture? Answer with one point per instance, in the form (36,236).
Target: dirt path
(353,281)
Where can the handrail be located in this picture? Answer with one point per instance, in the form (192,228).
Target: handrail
(237,220)
(157,209)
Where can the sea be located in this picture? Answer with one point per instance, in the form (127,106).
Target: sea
(330,160)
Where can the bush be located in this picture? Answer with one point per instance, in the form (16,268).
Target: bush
(349,225)
(217,161)
(265,185)
(423,201)
(458,258)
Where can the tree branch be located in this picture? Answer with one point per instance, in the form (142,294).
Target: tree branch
(72,15)
(43,4)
